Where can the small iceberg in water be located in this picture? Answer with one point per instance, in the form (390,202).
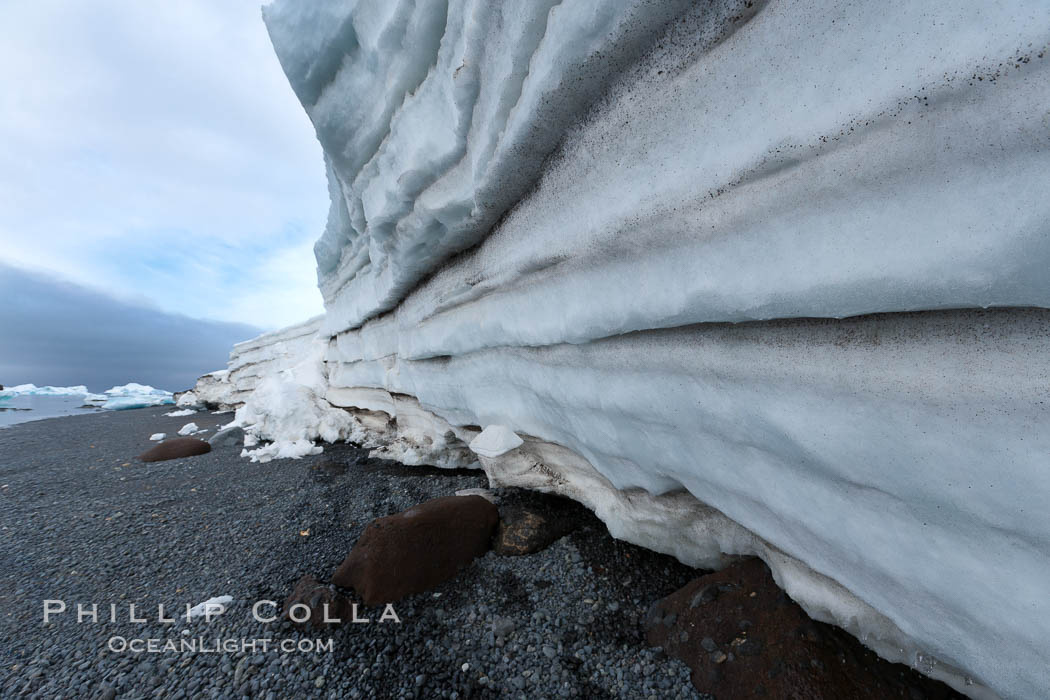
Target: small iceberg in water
(34,390)
(29,402)
(133,395)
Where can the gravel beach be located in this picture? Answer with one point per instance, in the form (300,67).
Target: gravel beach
(84,522)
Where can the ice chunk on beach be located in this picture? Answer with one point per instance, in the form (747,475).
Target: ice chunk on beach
(157,437)
(283,449)
(180,414)
(495,440)
(211,607)
(187,400)
(188,429)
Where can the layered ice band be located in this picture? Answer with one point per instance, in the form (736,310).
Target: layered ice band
(553,218)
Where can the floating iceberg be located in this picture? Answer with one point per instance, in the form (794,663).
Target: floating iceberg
(33,390)
(731,289)
(134,395)
(115,399)
(134,389)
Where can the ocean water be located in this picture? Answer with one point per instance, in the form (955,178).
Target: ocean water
(22,409)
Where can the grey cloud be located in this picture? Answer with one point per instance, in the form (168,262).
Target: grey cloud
(58,333)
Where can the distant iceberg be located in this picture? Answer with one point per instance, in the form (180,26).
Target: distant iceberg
(28,402)
(134,395)
(116,399)
(34,390)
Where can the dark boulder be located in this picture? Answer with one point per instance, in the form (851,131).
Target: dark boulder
(528,528)
(316,596)
(415,550)
(230,437)
(176,448)
(743,637)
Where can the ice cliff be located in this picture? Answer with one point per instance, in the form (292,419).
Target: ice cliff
(744,277)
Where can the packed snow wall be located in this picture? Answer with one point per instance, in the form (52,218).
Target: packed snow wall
(268,355)
(729,270)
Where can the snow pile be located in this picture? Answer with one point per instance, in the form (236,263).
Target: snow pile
(289,411)
(545,215)
(188,399)
(135,395)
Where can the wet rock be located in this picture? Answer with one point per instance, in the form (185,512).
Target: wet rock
(502,626)
(743,637)
(176,448)
(325,604)
(534,524)
(230,437)
(413,551)
(105,691)
(327,470)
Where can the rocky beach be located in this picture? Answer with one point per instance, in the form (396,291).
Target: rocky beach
(84,522)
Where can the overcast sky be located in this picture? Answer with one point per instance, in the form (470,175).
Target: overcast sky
(154,151)
(62,334)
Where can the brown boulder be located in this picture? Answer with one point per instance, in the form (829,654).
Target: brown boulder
(743,637)
(415,550)
(176,448)
(315,596)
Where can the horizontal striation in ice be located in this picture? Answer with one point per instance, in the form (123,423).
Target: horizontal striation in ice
(734,249)
(897,454)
